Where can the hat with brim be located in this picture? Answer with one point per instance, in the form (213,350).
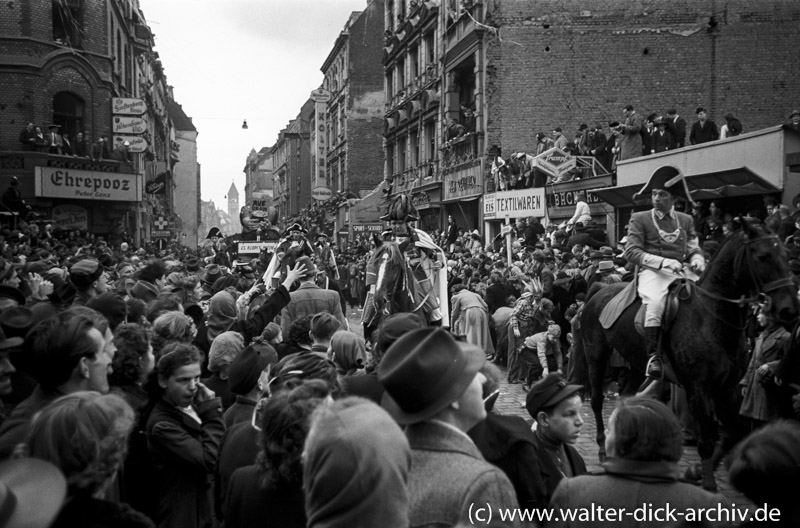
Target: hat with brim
(32,492)
(550,391)
(145,291)
(605,266)
(794,113)
(17,321)
(311,269)
(10,292)
(295,227)
(9,343)
(211,274)
(669,179)
(425,371)
(214,232)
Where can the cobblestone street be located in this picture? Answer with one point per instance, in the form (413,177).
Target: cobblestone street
(511,402)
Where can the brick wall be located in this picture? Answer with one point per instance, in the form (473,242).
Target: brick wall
(566,62)
(26,95)
(365,105)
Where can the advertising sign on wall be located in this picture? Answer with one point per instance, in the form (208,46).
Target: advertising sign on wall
(70,217)
(514,204)
(136,143)
(53,182)
(464,183)
(129,125)
(128,106)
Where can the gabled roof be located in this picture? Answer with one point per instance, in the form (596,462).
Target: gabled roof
(179,117)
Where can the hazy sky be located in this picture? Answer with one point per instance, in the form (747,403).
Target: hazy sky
(231,60)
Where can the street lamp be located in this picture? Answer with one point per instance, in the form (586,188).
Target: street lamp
(244,125)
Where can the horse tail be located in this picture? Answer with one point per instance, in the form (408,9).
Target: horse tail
(578,366)
(594,288)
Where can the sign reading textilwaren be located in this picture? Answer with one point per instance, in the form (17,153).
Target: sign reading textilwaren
(514,204)
(52,182)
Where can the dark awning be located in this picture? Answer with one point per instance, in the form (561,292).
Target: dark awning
(723,184)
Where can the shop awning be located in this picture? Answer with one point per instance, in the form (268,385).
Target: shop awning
(723,184)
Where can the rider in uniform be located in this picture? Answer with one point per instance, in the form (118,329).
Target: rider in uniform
(659,242)
(421,261)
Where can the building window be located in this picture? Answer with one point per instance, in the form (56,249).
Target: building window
(413,57)
(430,140)
(389,84)
(389,14)
(430,49)
(401,154)
(414,148)
(390,159)
(68,110)
(67,22)
(401,75)
(118,65)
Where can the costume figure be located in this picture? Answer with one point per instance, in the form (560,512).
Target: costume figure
(659,242)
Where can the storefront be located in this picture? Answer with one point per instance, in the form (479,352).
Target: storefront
(363,217)
(739,172)
(562,197)
(93,200)
(428,202)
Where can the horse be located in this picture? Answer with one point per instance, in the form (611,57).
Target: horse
(394,288)
(704,344)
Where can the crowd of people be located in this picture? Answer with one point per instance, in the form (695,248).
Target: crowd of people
(58,142)
(634,136)
(178,389)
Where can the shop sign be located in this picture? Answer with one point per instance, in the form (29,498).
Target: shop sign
(128,106)
(321,193)
(569,198)
(53,182)
(261,201)
(136,143)
(129,125)
(160,233)
(70,217)
(255,248)
(367,228)
(421,200)
(158,185)
(555,162)
(514,204)
(464,183)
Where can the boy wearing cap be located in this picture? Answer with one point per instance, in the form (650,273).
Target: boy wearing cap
(89,279)
(434,387)
(659,242)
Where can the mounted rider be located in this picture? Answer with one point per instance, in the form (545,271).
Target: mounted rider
(292,246)
(420,255)
(326,256)
(660,241)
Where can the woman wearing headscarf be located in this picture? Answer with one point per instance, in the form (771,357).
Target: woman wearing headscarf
(349,354)
(224,350)
(644,446)
(356,465)
(222,314)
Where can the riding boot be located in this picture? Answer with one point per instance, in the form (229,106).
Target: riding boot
(655,368)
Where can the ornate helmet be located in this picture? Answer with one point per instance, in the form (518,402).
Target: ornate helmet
(401,209)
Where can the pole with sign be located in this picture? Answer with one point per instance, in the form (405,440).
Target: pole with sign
(507,229)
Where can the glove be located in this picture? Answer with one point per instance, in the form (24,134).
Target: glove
(672,265)
(698,264)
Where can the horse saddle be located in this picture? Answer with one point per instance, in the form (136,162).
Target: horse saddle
(680,289)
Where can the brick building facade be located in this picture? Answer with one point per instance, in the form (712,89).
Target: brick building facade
(291,162)
(353,120)
(63,63)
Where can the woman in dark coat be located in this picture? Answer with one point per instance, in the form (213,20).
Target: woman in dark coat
(184,431)
(270,493)
(644,446)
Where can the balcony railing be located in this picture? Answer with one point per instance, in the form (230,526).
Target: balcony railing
(425,173)
(27,161)
(460,152)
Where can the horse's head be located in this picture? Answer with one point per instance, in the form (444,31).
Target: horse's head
(761,267)
(390,284)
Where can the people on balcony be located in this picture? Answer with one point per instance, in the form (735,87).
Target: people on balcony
(80,147)
(27,137)
(54,140)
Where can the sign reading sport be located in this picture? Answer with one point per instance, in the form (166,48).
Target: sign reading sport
(514,204)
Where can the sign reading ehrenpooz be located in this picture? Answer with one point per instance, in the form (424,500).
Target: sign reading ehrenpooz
(52,182)
(514,204)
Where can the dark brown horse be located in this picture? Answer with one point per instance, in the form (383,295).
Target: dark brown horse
(394,287)
(705,343)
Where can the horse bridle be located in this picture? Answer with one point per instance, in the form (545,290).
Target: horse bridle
(761,288)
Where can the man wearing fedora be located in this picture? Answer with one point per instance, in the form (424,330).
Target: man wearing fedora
(54,141)
(310,299)
(434,387)
(794,120)
(659,242)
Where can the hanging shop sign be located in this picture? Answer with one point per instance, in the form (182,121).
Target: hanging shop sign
(514,204)
(70,217)
(53,182)
(158,185)
(255,248)
(129,125)
(135,143)
(128,106)
(366,228)
(321,194)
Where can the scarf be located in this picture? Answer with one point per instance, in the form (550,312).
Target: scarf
(349,352)
(221,314)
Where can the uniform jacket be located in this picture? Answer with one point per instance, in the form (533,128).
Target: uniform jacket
(184,455)
(310,299)
(448,474)
(646,248)
(630,484)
